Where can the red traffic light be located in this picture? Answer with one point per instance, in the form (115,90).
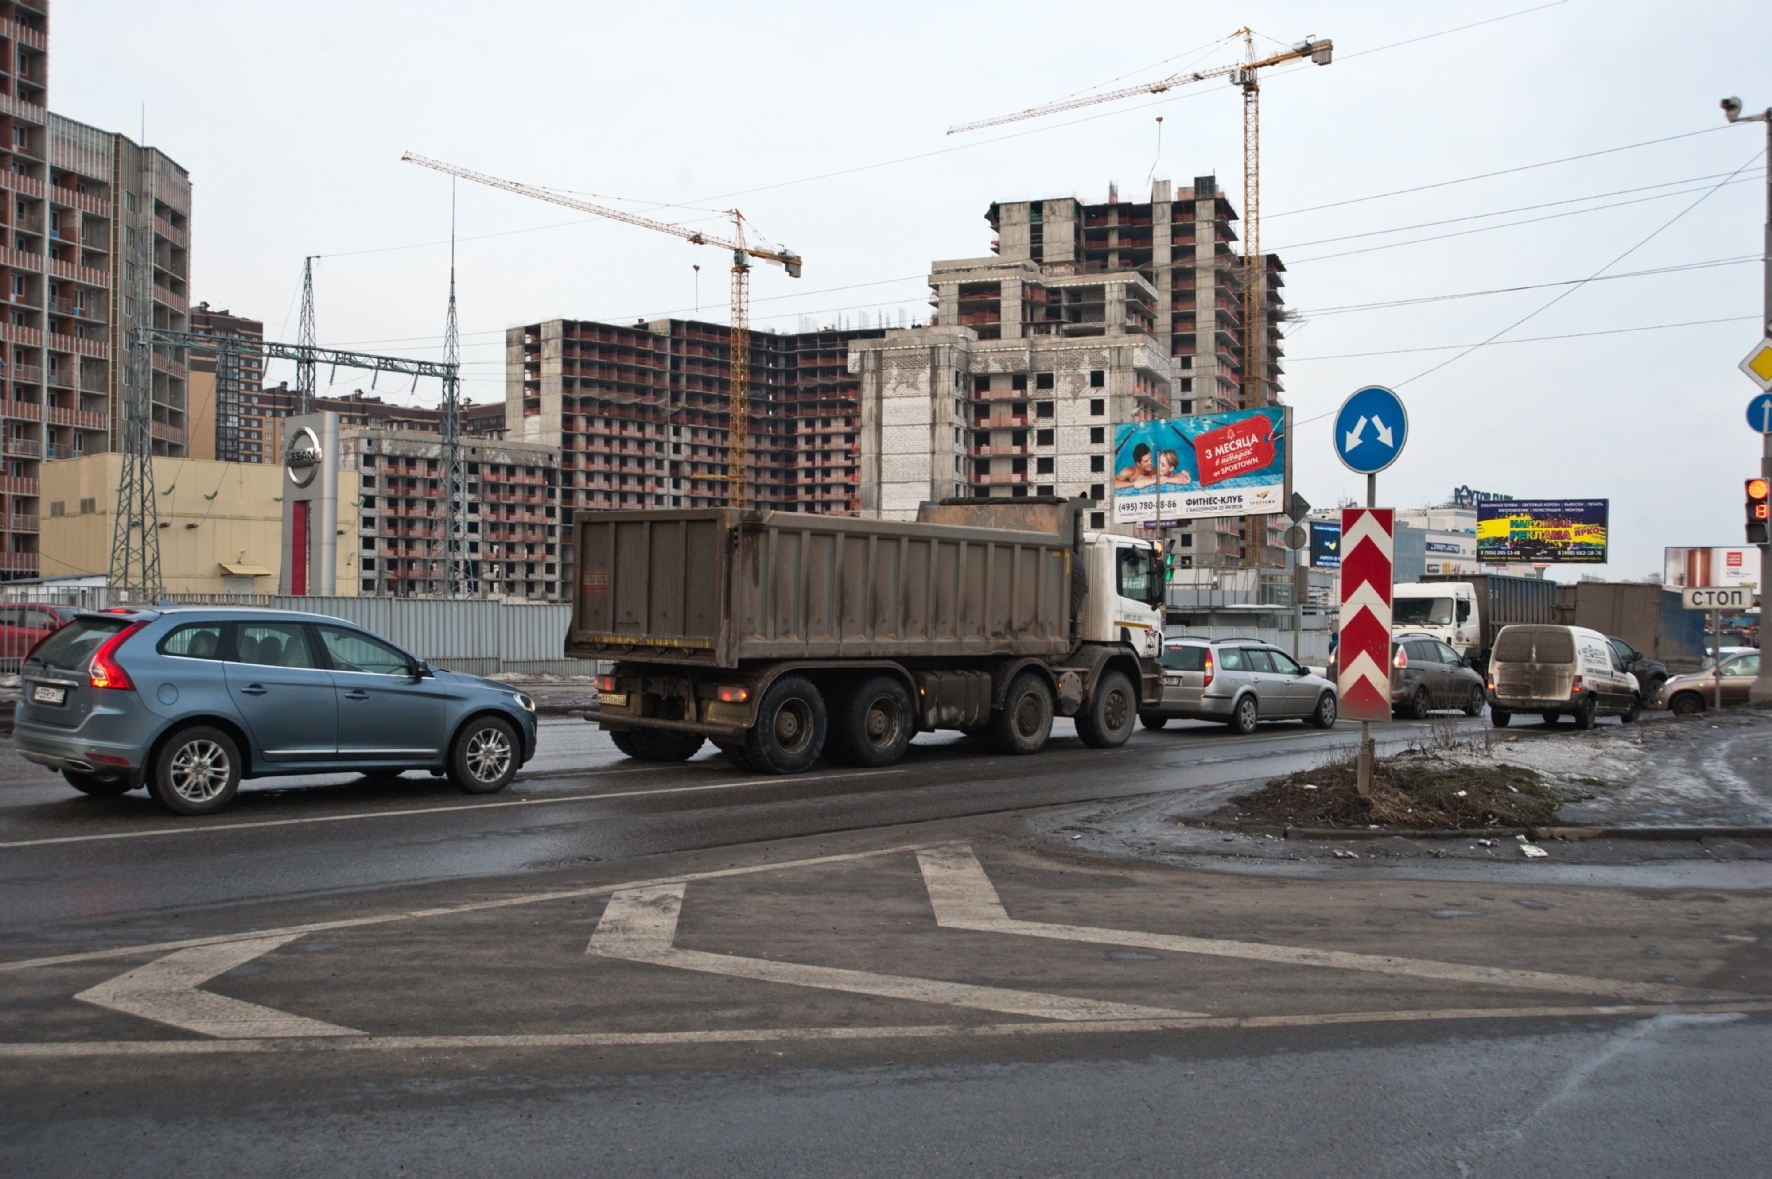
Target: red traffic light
(1758,489)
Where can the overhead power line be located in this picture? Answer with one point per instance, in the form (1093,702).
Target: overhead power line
(1650,327)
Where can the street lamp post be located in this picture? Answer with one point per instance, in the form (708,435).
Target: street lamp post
(1761,691)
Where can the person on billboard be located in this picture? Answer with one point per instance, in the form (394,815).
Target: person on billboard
(1141,473)
(1169,472)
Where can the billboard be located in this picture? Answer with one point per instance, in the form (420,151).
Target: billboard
(1213,464)
(1325,544)
(1712,566)
(1543,531)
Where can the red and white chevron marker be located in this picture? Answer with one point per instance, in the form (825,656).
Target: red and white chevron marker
(1363,653)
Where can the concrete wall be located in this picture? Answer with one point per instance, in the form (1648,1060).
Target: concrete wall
(210,513)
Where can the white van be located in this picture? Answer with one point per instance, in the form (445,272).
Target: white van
(1556,671)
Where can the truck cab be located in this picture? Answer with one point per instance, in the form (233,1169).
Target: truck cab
(1125,598)
(1445,610)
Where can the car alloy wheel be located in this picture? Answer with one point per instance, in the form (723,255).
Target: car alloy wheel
(488,754)
(199,771)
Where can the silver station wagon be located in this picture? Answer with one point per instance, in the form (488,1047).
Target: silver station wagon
(1240,682)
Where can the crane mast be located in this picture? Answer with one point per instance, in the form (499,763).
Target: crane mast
(739,340)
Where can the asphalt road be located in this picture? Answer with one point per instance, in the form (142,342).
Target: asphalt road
(618,968)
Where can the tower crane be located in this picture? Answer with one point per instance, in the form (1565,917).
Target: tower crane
(739,368)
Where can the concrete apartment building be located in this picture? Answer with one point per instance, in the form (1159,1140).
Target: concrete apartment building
(1084,316)
(513,526)
(220,382)
(82,211)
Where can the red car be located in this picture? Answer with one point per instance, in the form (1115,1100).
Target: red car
(22,624)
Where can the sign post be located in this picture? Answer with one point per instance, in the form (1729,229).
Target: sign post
(1370,429)
(1716,599)
(1758,366)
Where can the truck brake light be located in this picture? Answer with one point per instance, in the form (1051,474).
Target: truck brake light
(103,671)
(734,694)
(605,683)
(1575,686)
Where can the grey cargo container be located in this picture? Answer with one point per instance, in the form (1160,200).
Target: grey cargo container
(1504,601)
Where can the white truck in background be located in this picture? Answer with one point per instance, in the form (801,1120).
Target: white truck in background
(1466,611)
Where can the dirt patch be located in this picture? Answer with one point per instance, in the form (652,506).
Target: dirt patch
(1411,790)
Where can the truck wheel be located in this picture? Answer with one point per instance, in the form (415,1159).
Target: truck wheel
(1245,715)
(735,757)
(1499,717)
(1152,721)
(623,740)
(94,785)
(1584,716)
(871,724)
(1686,704)
(1634,711)
(1474,705)
(653,745)
(1107,721)
(1324,715)
(790,729)
(1551,718)
(1026,717)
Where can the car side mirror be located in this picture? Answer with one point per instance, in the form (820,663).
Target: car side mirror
(422,670)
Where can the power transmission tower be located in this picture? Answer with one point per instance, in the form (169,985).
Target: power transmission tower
(135,536)
(456,583)
(307,341)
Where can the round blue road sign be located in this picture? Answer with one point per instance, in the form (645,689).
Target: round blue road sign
(1759,413)
(1370,430)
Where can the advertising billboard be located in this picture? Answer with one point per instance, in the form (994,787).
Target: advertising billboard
(1542,531)
(1325,544)
(1712,566)
(1214,464)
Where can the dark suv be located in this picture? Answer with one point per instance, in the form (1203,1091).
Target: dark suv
(1427,674)
(1651,676)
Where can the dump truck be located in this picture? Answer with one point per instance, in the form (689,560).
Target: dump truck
(1467,610)
(784,636)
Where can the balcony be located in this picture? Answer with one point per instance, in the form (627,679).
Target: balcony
(90,275)
(169,298)
(30,38)
(18,523)
(23,448)
(174,235)
(24,374)
(19,259)
(18,562)
(84,419)
(997,450)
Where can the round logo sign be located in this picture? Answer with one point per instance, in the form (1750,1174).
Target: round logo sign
(302,457)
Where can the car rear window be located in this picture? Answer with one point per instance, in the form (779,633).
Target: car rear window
(70,647)
(1535,644)
(1185,659)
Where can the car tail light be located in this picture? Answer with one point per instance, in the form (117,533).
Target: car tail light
(1402,659)
(1575,685)
(104,671)
(1209,670)
(734,694)
(605,683)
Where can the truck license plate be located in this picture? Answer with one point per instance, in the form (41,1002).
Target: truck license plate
(44,694)
(617,699)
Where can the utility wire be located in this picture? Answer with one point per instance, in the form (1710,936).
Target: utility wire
(1651,327)
(1351,308)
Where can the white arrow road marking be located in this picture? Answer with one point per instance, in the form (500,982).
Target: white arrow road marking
(165,991)
(640,924)
(1383,431)
(1353,435)
(964,898)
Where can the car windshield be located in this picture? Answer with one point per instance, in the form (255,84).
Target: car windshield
(1421,612)
(70,647)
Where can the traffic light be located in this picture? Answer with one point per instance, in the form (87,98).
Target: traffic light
(1759,512)
(1168,565)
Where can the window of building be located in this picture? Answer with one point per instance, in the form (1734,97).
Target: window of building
(1042,380)
(981,384)
(1097,492)
(1019,382)
(1097,407)
(1042,466)
(1098,519)
(88,506)
(1187,384)
(1042,409)
(1097,379)
(1097,435)
(1098,463)
(1187,407)
(58,508)
(1043,437)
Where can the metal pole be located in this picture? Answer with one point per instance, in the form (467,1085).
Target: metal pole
(1760,691)
(1716,654)
(1363,774)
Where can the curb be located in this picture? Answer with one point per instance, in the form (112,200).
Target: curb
(1568,834)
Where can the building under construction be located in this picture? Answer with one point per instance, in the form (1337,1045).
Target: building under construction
(84,212)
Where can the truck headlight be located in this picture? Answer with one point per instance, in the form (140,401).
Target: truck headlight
(523,701)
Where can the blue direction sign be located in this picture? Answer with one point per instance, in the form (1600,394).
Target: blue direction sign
(1370,430)
(1759,413)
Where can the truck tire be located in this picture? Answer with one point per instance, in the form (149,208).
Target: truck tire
(1025,721)
(1152,721)
(735,757)
(1584,716)
(872,723)
(1499,717)
(623,740)
(653,745)
(1106,722)
(790,730)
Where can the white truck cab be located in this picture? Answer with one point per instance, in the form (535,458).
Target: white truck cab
(1447,610)
(1125,600)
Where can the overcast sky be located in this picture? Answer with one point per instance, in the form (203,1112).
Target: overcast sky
(825,124)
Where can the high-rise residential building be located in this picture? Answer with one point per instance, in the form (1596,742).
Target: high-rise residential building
(639,414)
(89,221)
(1085,316)
(220,379)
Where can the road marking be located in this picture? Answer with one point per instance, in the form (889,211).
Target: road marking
(565,894)
(360,816)
(640,925)
(165,991)
(176,1048)
(964,898)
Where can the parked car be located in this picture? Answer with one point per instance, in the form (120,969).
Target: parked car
(189,701)
(1651,674)
(25,624)
(1240,682)
(1687,695)
(1725,653)
(1427,674)
(1556,671)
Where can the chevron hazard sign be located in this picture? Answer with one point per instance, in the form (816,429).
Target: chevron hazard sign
(1363,654)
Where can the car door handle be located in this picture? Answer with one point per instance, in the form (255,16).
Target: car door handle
(254,690)
(356,694)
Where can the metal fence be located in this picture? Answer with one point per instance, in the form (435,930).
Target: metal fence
(473,636)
